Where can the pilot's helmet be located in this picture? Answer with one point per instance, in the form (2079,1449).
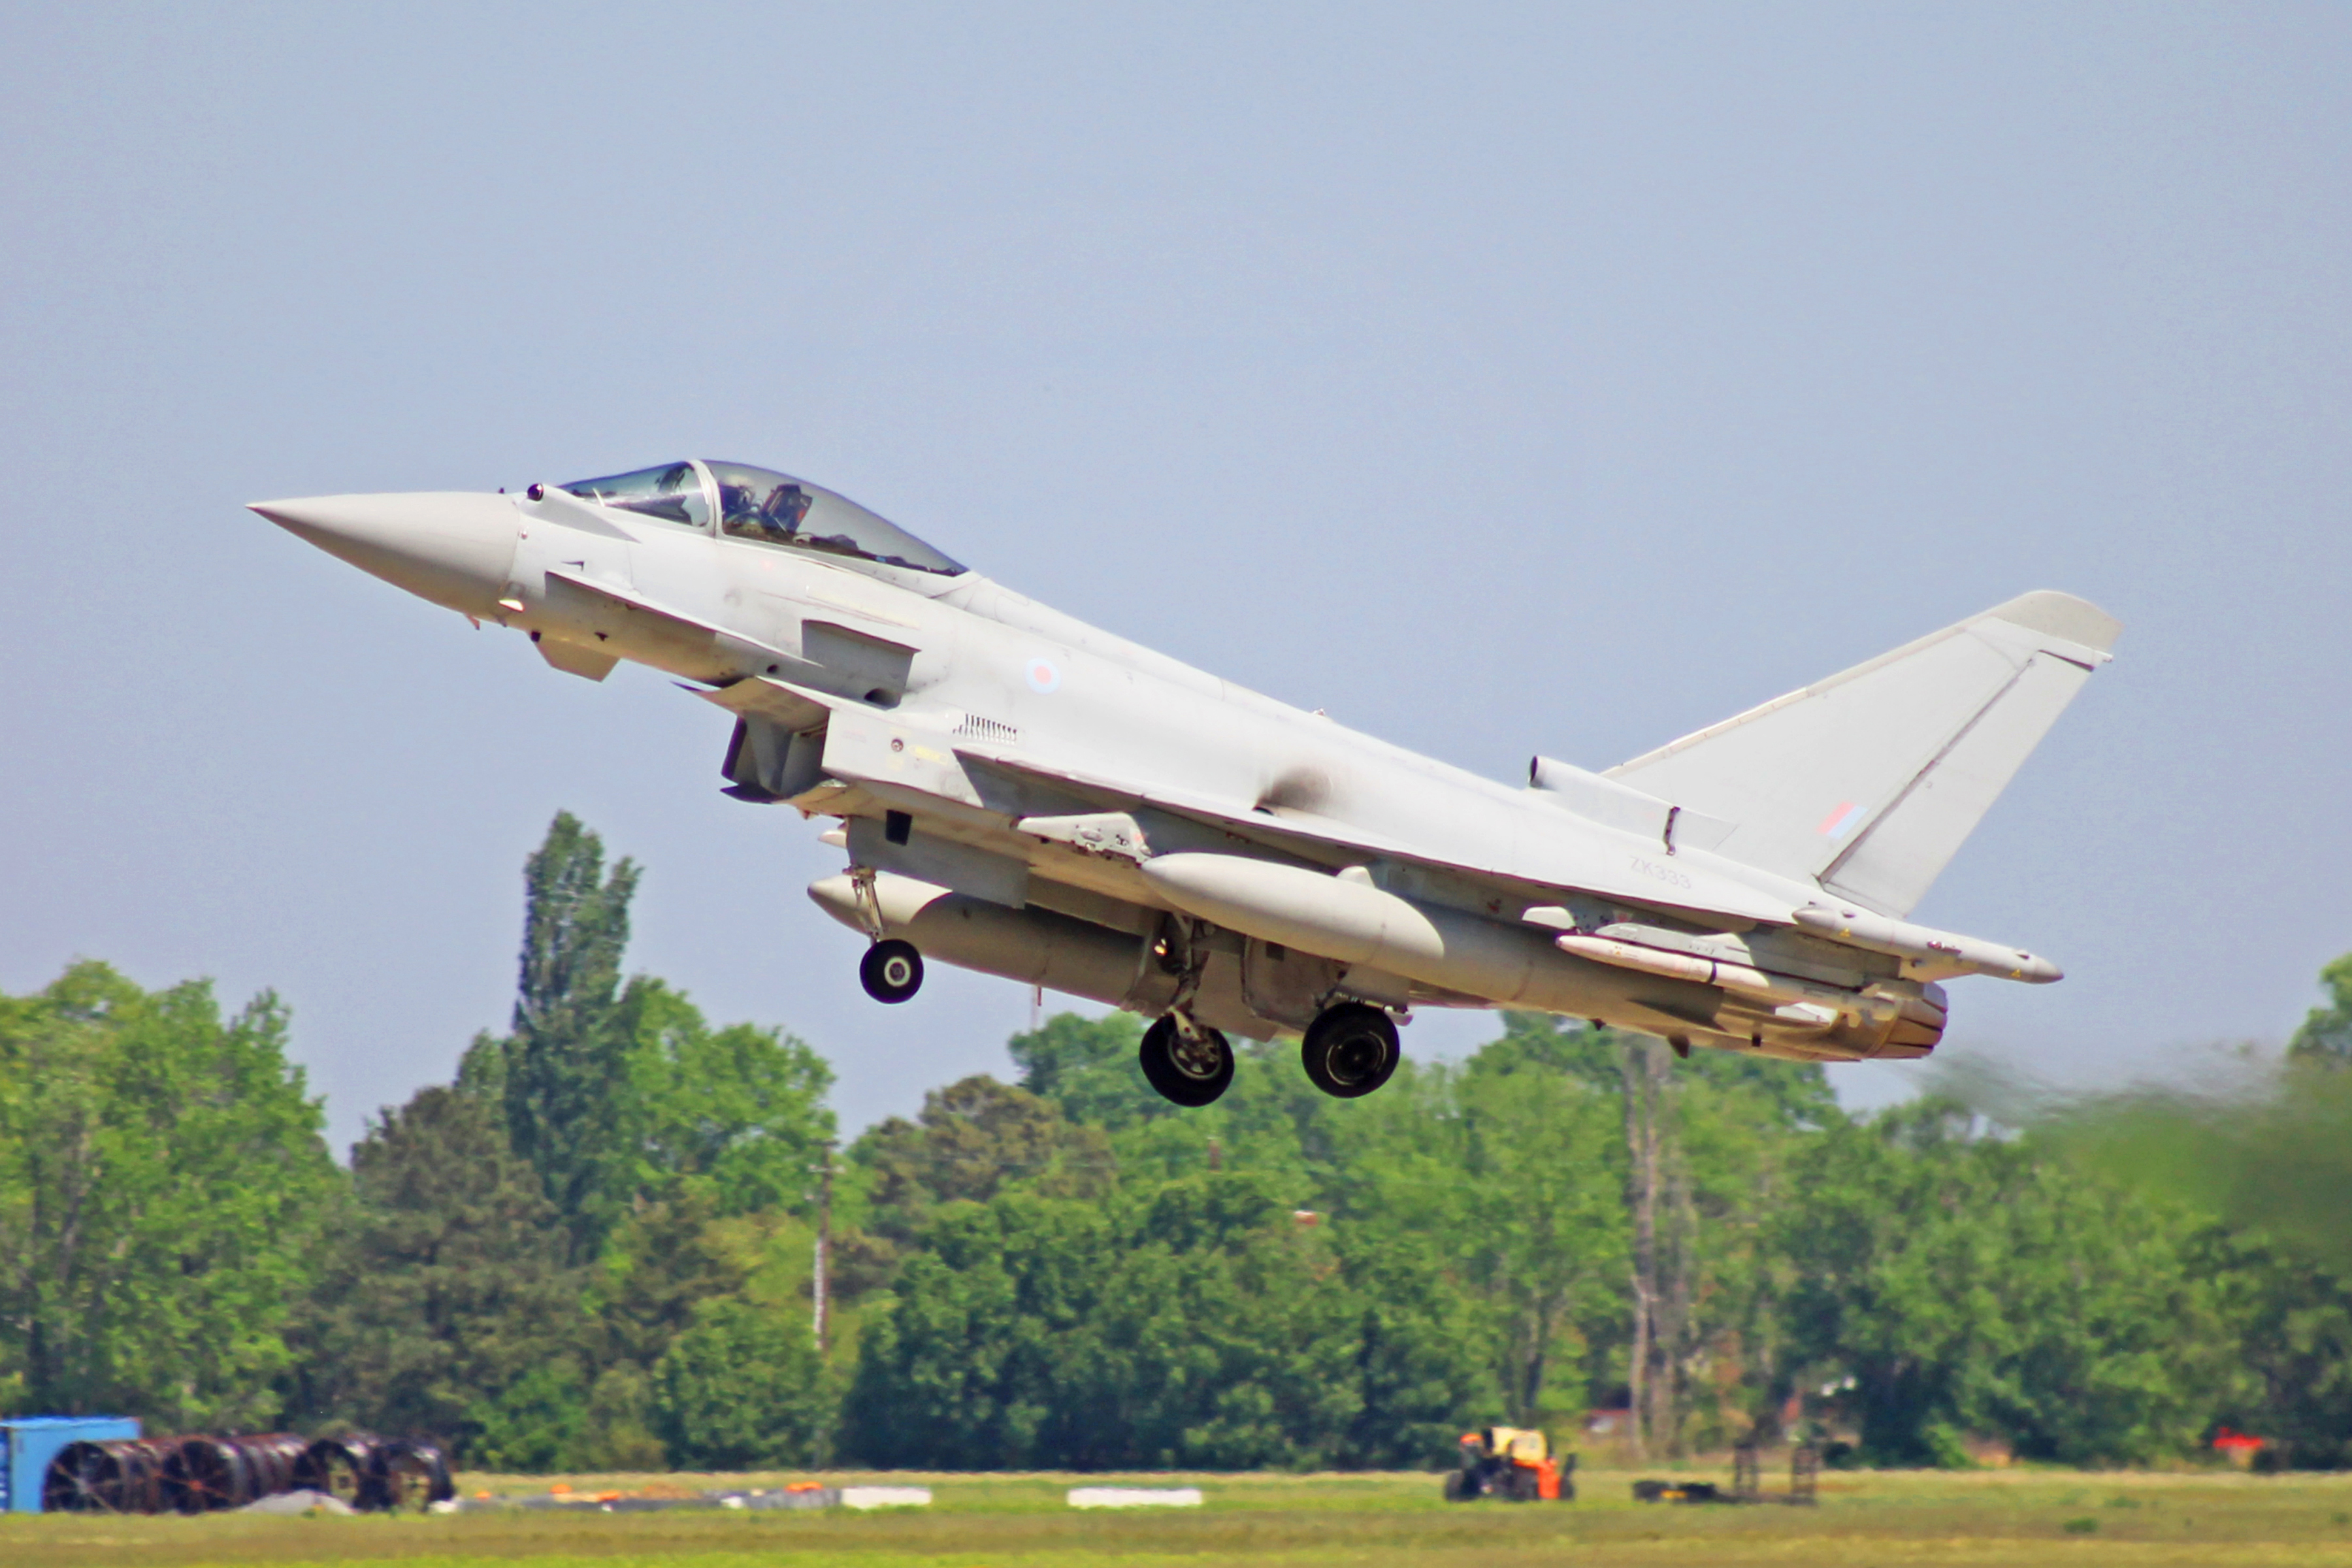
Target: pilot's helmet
(785,507)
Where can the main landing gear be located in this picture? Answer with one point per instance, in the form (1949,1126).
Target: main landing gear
(1186,1062)
(1349,1050)
(891,971)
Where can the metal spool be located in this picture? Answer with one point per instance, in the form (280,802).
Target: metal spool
(202,1475)
(408,1475)
(270,1460)
(114,1477)
(339,1466)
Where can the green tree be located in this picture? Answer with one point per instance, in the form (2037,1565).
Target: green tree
(1224,1337)
(662,1261)
(449,1285)
(1700,1163)
(1270,1121)
(537,1424)
(564,1065)
(2325,1036)
(2293,1319)
(1972,1283)
(973,1139)
(1740,1124)
(1511,1170)
(163,1185)
(1425,1366)
(737,1114)
(743,1389)
(966,1365)
(1194,1323)
(1087,1068)
(2264,1166)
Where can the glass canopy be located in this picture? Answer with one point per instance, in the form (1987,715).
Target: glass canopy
(765,506)
(672,493)
(771,508)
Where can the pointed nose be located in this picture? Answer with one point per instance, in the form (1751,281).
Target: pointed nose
(454,548)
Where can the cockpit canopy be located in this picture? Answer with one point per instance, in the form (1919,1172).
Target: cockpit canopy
(765,506)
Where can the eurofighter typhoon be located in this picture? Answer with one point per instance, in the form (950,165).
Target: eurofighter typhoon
(1022,794)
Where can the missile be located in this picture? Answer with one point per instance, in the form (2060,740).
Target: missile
(1806,1000)
(1927,948)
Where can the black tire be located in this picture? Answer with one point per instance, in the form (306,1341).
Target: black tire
(1349,1050)
(891,971)
(1459,1487)
(1191,1074)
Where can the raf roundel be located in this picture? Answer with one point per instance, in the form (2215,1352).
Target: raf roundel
(1043,675)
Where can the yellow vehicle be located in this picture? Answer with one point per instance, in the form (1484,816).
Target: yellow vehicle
(1514,1463)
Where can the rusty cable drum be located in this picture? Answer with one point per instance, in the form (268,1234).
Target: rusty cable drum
(269,1462)
(339,1466)
(115,1476)
(204,1474)
(80,1480)
(142,1474)
(407,1474)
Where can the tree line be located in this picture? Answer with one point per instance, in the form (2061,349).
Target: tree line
(593,1249)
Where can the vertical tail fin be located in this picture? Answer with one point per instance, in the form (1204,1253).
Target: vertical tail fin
(1869,781)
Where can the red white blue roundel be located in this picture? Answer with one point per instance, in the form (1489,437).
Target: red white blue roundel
(1042,673)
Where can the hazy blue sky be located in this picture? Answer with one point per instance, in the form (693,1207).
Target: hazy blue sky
(1497,378)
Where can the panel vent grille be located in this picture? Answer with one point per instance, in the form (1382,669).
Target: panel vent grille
(979,729)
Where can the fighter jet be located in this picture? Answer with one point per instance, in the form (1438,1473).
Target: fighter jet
(1022,794)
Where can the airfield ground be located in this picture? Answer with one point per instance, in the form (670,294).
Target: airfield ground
(1883,1520)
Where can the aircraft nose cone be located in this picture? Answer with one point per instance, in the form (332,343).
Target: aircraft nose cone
(454,548)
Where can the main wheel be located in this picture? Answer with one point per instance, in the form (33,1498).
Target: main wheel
(1191,1071)
(891,971)
(1350,1051)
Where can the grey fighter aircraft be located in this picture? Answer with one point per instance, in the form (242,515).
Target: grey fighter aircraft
(1026,795)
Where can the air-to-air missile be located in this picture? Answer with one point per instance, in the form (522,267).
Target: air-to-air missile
(1022,794)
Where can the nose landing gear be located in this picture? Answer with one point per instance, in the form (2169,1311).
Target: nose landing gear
(1184,1062)
(1351,1049)
(891,971)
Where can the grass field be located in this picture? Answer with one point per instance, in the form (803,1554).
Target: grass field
(1878,1520)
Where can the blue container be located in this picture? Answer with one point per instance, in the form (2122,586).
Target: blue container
(32,1441)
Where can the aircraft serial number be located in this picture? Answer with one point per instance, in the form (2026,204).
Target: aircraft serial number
(1666,874)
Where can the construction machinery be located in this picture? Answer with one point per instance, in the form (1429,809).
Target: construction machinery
(1514,1463)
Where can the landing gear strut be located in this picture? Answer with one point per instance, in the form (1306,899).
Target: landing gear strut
(891,971)
(1187,1062)
(1349,1050)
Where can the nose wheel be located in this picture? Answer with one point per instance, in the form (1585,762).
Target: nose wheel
(891,971)
(1349,1050)
(1186,1062)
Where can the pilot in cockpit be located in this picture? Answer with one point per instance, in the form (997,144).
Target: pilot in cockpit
(775,516)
